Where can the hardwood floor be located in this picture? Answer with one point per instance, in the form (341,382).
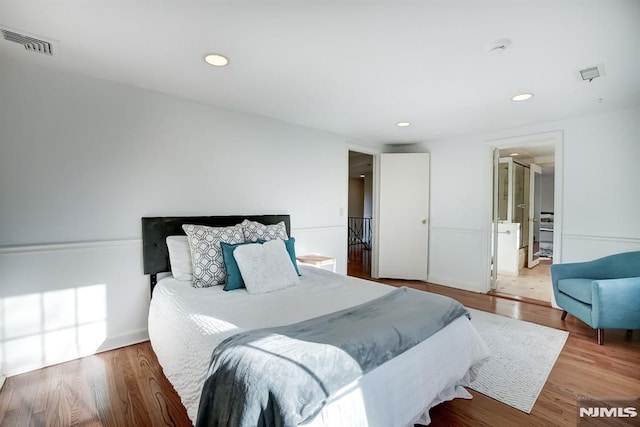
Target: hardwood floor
(123,387)
(126,387)
(583,368)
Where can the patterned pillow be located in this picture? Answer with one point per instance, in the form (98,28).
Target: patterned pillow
(254,231)
(206,254)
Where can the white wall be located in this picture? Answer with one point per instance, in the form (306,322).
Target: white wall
(600,202)
(82,160)
(368,196)
(459,220)
(547,183)
(356,197)
(601,192)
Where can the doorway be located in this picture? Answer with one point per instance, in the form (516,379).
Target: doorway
(525,211)
(360,214)
(388,224)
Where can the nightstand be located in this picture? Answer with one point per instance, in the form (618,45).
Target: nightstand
(319,261)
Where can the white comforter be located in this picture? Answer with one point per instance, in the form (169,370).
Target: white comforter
(186,323)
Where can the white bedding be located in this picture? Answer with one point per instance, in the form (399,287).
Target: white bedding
(186,323)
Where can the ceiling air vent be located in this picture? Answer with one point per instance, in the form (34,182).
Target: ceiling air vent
(590,73)
(31,44)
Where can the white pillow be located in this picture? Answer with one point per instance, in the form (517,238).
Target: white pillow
(265,267)
(180,257)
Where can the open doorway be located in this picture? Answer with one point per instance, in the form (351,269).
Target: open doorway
(524,216)
(360,214)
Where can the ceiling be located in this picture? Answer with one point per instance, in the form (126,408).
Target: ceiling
(543,155)
(360,164)
(352,67)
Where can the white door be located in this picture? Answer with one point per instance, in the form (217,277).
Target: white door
(403,220)
(535,200)
(496,218)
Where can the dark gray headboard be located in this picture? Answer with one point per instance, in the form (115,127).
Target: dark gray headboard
(156,229)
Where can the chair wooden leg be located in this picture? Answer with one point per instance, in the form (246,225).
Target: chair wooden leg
(600,336)
(564,314)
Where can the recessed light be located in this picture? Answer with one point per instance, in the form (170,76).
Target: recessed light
(403,124)
(514,154)
(522,97)
(362,176)
(216,59)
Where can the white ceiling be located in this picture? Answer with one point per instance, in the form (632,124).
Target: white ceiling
(353,67)
(360,164)
(543,155)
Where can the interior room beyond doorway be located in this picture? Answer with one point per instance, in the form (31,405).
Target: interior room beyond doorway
(524,243)
(360,213)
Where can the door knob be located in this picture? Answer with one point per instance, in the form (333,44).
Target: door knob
(424,221)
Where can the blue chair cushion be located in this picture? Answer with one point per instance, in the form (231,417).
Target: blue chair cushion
(579,289)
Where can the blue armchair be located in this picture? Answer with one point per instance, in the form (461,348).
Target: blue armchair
(603,293)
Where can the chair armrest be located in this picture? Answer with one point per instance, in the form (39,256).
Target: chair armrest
(572,270)
(616,303)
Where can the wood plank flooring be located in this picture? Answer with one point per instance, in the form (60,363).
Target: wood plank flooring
(123,387)
(583,368)
(126,387)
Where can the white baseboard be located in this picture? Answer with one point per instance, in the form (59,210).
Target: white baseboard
(124,340)
(457,284)
(3,375)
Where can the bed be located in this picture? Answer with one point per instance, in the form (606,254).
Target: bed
(186,324)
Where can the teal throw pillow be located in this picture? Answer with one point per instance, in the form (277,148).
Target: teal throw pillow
(290,245)
(234,278)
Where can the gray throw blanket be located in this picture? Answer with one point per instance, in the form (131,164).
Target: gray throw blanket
(282,376)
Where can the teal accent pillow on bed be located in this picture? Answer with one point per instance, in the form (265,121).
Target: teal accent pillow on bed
(234,278)
(291,248)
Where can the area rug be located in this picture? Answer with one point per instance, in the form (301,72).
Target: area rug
(522,356)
